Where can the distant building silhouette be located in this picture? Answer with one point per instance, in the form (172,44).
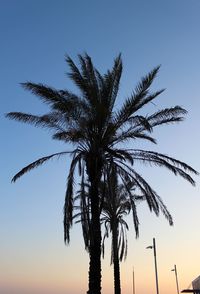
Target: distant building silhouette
(196,283)
(195,286)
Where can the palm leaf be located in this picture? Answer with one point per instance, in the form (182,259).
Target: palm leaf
(176,166)
(76,76)
(68,205)
(47,94)
(37,163)
(50,121)
(138,99)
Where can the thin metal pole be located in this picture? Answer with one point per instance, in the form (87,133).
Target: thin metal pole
(133,281)
(156,269)
(175,270)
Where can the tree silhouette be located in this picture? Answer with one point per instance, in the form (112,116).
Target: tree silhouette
(118,201)
(89,121)
(116,205)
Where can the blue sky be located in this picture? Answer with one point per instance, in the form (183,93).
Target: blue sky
(35,36)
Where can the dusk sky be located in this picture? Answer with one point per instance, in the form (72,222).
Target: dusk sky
(35,36)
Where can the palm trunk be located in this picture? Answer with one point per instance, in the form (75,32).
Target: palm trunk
(95,231)
(117,284)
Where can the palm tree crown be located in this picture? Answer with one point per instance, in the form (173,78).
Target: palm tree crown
(116,205)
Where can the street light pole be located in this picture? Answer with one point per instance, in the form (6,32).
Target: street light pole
(175,271)
(156,269)
(133,281)
(155,260)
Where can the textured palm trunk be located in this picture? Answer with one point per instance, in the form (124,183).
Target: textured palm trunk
(117,284)
(95,231)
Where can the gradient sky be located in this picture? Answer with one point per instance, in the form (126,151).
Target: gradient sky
(35,36)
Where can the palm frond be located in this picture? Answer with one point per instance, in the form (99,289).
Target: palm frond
(76,76)
(71,105)
(68,205)
(140,121)
(126,172)
(131,134)
(111,83)
(50,121)
(138,99)
(47,94)
(147,80)
(89,75)
(176,166)
(164,210)
(133,208)
(37,163)
(168,115)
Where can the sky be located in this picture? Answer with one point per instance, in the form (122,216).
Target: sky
(35,36)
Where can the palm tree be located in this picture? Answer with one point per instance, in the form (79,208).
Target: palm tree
(117,203)
(89,121)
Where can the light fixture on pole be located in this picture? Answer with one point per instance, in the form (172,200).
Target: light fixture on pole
(155,260)
(175,271)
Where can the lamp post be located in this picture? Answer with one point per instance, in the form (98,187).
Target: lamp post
(175,271)
(133,281)
(155,260)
